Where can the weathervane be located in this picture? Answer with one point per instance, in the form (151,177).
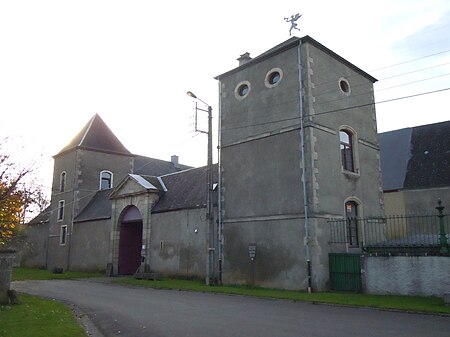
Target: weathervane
(293,22)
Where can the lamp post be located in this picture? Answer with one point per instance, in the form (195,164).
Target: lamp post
(209,192)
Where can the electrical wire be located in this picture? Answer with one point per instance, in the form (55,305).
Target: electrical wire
(342,109)
(337,110)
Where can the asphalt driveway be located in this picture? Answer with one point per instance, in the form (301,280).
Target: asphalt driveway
(130,311)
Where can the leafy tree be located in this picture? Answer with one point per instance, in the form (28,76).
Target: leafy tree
(15,196)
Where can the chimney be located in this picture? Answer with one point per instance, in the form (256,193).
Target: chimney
(244,58)
(174,161)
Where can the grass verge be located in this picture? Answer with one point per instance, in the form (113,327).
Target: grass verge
(434,305)
(36,317)
(21,274)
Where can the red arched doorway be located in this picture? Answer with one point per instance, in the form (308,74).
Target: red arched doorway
(130,241)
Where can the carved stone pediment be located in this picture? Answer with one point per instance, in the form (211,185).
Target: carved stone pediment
(134,184)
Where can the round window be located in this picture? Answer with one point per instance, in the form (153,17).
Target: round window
(273,77)
(242,90)
(344,86)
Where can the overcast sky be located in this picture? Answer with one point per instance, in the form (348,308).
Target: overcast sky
(133,61)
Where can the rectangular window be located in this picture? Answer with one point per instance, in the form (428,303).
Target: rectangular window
(351,212)
(63,235)
(106,178)
(61,210)
(346,143)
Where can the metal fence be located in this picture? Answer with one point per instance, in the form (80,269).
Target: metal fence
(391,233)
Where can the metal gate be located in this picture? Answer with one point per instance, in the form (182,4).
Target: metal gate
(345,272)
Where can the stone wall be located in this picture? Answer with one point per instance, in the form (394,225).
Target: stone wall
(406,275)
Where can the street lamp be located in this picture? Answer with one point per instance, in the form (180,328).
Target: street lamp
(209,191)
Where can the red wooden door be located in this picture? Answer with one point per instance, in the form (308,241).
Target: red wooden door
(130,244)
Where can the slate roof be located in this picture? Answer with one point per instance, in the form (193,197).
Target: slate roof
(180,190)
(155,167)
(292,42)
(395,150)
(43,217)
(97,136)
(416,158)
(98,208)
(186,189)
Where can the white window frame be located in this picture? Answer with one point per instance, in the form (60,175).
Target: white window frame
(101,179)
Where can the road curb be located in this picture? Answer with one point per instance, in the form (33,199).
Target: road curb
(83,319)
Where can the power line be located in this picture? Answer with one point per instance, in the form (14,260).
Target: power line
(380,102)
(409,61)
(413,82)
(389,66)
(353,95)
(399,85)
(414,71)
(337,110)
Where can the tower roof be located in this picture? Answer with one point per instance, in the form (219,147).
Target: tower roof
(96,136)
(291,43)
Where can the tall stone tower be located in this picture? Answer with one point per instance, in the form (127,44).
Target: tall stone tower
(298,145)
(92,161)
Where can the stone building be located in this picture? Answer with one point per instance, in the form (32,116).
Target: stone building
(298,145)
(298,142)
(105,203)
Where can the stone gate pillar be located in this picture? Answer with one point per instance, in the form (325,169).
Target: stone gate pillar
(6,262)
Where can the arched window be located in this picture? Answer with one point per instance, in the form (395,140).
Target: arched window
(106,180)
(347,155)
(62,181)
(351,215)
(61,210)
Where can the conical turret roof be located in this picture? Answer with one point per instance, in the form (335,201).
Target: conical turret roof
(96,136)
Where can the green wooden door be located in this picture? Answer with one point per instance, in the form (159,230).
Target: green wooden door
(345,272)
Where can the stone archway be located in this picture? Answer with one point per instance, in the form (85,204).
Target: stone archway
(130,241)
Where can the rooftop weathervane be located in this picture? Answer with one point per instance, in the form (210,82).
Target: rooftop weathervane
(293,20)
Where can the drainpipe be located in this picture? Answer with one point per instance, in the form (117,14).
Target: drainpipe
(302,149)
(219,192)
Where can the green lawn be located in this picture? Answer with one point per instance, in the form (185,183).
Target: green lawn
(20,274)
(433,305)
(36,317)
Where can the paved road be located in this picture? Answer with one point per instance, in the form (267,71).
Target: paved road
(135,312)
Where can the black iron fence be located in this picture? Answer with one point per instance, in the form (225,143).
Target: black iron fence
(393,233)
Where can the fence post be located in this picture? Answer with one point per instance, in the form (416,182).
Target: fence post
(442,236)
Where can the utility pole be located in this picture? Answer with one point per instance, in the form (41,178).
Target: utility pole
(210,270)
